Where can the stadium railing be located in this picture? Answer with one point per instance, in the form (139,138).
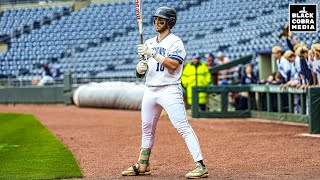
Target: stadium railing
(265,101)
(76,81)
(14,2)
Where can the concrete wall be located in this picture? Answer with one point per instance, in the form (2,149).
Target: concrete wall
(54,94)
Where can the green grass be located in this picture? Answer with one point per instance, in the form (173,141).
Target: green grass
(29,151)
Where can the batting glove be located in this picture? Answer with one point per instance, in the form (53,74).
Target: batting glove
(144,50)
(142,67)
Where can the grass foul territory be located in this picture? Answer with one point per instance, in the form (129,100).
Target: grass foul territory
(29,151)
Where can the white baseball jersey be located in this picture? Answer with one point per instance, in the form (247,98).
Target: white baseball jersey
(316,67)
(297,64)
(283,66)
(309,62)
(170,46)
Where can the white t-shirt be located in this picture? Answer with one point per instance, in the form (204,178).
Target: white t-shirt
(170,46)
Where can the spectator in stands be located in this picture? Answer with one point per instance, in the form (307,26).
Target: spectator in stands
(274,79)
(276,52)
(196,73)
(282,63)
(316,64)
(56,73)
(210,64)
(304,71)
(311,63)
(281,77)
(293,44)
(294,80)
(291,70)
(46,76)
(247,78)
(301,62)
(316,50)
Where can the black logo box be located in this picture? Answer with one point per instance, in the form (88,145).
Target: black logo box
(309,8)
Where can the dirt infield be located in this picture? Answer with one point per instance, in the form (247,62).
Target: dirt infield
(105,142)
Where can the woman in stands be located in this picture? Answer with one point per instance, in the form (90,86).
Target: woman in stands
(247,78)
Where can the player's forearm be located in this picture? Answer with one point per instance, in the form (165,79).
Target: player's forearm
(170,63)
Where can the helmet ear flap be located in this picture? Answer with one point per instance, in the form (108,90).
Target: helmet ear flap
(171,22)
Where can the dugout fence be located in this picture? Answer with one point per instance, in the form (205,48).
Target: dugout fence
(264,101)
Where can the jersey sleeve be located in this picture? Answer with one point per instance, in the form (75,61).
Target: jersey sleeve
(177,51)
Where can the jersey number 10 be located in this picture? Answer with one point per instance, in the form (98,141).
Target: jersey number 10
(160,67)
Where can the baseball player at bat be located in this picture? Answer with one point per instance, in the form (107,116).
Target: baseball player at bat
(164,55)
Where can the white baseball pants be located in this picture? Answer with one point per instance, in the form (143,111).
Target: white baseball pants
(169,98)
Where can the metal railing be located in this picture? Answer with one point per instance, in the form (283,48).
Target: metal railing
(14,2)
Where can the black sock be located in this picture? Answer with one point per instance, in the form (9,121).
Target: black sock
(201,162)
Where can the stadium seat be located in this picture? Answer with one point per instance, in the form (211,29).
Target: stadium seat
(104,35)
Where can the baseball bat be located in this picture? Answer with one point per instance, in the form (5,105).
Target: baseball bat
(139,18)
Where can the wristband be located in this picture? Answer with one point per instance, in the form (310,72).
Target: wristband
(159,58)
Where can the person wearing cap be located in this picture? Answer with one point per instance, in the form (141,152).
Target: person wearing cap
(305,72)
(196,73)
(282,63)
(290,70)
(293,76)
